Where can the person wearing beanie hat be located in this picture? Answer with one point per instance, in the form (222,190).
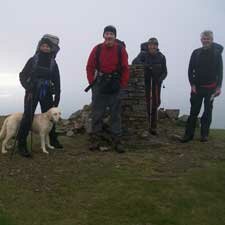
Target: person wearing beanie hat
(41,80)
(111,29)
(153,41)
(107,73)
(155,72)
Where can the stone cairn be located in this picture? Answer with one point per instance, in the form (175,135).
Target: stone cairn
(134,112)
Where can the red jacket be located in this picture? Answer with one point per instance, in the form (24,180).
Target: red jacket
(108,63)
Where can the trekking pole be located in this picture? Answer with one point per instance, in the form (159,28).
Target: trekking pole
(162,92)
(31,120)
(150,104)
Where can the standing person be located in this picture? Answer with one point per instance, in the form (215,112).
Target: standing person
(108,72)
(155,72)
(41,79)
(205,74)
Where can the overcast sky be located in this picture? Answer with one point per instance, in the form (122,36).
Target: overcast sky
(79,24)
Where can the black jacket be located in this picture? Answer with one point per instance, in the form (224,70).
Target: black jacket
(31,74)
(155,65)
(206,66)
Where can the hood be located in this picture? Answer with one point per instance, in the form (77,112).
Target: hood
(144,47)
(218,47)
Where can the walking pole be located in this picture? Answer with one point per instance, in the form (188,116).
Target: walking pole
(31,133)
(162,95)
(150,105)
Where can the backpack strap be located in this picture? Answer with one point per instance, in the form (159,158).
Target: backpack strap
(52,65)
(97,56)
(119,55)
(35,62)
(197,56)
(119,52)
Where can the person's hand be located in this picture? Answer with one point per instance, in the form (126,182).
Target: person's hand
(193,89)
(217,92)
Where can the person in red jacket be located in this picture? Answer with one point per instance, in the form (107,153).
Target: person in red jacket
(107,70)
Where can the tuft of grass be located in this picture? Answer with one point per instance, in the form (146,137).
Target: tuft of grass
(4,220)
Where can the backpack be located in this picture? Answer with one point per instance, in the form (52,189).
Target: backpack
(27,79)
(121,45)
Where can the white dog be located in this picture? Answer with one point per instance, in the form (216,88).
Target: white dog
(42,125)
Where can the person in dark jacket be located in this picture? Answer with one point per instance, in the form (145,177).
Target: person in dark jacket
(107,68)
(205,75)
(41,80)
(155,72)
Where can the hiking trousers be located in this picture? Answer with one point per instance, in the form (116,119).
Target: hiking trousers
(196,100)
(100,103)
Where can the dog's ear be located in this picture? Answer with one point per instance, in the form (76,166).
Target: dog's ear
(49,114)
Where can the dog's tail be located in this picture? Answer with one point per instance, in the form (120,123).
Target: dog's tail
(3,130)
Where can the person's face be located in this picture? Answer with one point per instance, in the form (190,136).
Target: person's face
(109,38)
(45,48)
(206,41)
(152,48)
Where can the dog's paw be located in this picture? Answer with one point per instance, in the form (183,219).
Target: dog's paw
(4,151)
(51,147)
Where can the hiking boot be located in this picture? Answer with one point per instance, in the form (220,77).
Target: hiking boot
(118,145)
(56,144)
(186,139)
(204,139)
(22,149)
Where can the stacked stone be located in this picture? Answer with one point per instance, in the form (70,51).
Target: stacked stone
(134,111)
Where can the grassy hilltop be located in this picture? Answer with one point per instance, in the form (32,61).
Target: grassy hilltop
(168,184)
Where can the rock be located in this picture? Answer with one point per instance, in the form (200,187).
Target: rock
(183,118)
(104,149)
(77,125)
(175,137)
(75,115)
(88,125)
(87,108)
(162,114)
(65,122)
(69,133)
(173,113)
(145,134)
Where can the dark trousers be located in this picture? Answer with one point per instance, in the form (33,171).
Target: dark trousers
(196,104)
(31,100)
(100,102)
(152,93)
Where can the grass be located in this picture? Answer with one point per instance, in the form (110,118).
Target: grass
(174,184)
